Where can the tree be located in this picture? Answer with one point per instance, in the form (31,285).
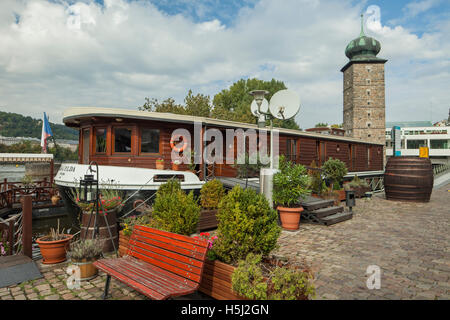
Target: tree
(321,124)
(168,105)
(198,105)
(234,103)
(231,104)
(336,125)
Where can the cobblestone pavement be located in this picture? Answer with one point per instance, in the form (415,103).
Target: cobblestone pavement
(410,242)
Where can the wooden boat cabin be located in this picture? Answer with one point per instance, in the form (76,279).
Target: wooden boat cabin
(120,137)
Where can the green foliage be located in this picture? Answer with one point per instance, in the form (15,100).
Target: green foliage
(248,280)
(110,199)
(280,282)
(357,182)
(291,284)
(246,169)
(128,223)
(174,210)
(290,184)
(60,153)
(16,125)
(230,104)
(211,193)
(316,183)
(321,125)
(196,105)
(89,249)
(334,170)
(247,224)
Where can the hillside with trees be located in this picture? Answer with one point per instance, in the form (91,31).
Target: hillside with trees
(16,125)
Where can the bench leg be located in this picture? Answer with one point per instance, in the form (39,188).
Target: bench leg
(105,293)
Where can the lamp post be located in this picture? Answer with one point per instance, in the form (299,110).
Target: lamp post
(89,193)
(258,95)
(266,175)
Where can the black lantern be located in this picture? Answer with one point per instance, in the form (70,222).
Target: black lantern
(88,189)
(350,199)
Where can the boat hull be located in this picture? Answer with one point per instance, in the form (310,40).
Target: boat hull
(136,185)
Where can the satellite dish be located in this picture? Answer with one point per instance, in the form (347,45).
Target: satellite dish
(264,107)
(284,104)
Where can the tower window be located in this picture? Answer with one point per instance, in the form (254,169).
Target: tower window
(368,81)
(368,103)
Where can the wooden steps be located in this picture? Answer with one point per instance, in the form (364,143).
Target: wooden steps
(323,212)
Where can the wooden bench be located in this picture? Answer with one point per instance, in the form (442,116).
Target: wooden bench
(158,264)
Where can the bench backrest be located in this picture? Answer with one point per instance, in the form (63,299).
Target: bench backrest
(180,255)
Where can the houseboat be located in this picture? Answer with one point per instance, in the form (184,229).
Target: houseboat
(126,145)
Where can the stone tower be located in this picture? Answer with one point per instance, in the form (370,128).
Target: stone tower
(364,99)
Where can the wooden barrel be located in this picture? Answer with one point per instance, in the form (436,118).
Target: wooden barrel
(408,179)
(87,229)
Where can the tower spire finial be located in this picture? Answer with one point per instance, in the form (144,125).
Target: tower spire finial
(362,26)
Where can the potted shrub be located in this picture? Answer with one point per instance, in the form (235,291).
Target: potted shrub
(317,184)
(53,246)
(83,253)
(160,164)
(272,279)
(289,187)
(210,195)
(247,224)
(109,204)
(360,186)
(174,210)
(176,165)
(335,170)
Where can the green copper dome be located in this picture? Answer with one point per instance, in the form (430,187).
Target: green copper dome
(363,47)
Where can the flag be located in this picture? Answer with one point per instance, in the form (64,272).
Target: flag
(46,133)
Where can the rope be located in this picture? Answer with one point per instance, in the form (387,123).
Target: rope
(123,216)
(138,190)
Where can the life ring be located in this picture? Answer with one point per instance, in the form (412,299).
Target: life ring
(176,138)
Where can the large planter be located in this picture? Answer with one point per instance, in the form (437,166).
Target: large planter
(208,220)
(123,243)
(87,269)
(54,251)
(290,217)
(341,194)
(175,166)
(88,226)
(216,281)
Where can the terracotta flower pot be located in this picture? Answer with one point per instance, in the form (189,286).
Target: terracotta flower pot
(175,166)
(290,217)
(160,165)
(54,251)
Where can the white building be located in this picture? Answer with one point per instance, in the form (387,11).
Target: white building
(437,139)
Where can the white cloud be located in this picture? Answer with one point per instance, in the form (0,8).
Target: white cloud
(123,52)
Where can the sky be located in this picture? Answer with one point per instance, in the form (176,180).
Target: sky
(56,54)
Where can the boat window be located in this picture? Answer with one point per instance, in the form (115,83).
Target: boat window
(167,177)
(100,140)
(122,140)
(149,141)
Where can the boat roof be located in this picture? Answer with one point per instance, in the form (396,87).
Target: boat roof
(73,115)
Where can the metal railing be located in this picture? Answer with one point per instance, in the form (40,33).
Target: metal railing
(440,169)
